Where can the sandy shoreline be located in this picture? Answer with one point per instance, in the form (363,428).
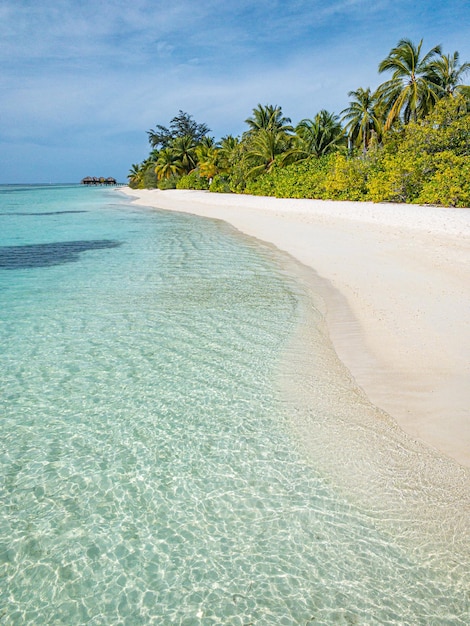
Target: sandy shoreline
(399,302)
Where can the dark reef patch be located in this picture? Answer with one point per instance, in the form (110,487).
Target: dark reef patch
(49,254)
(40,213)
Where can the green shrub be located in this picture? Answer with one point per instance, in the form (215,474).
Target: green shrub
(427,162)
(220,184)
(398,179)
(192,181)
(447,128)
(238,176)
(449,184)
(149,178)
(264,185)
(304,179)
(167,183)
(346,178)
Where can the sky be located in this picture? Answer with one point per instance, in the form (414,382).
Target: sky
(82,81)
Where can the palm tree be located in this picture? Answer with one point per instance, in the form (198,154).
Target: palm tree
(412,90)
(207,160)
(318,137)
(448,74)
(269,135)
(229,153)
(168,164)
(184,150)
(135,175)
(207,141)
(362,117)
(262,149)
(268,117)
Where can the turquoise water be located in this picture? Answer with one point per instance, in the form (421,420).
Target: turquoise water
(173,437)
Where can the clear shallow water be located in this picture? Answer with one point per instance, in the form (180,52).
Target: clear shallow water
(154,471)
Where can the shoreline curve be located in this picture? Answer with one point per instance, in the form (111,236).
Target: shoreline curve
(396,286)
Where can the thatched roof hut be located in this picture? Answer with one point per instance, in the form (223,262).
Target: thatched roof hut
(93,180)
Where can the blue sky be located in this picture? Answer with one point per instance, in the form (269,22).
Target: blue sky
(82,81)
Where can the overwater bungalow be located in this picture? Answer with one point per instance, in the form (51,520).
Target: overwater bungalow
(93,180)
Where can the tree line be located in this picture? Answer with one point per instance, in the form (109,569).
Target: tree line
(407,141)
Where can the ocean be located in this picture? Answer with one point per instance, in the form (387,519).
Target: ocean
(180,444)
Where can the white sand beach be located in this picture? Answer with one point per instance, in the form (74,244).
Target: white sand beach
(396,286)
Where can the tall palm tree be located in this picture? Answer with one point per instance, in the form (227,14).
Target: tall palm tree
(361,117)
(263,148)
(448,74)
(229,152)
(184,150)
(270,134)
(207,157)
(268,117)
(412,90)
(318,137)
(167,164)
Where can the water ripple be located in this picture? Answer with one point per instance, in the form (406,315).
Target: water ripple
(149,469)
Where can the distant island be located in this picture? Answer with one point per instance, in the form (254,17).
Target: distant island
(93,180)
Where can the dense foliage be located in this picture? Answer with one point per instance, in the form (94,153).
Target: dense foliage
(407,141)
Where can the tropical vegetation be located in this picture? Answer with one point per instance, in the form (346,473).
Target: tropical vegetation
(406,141)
